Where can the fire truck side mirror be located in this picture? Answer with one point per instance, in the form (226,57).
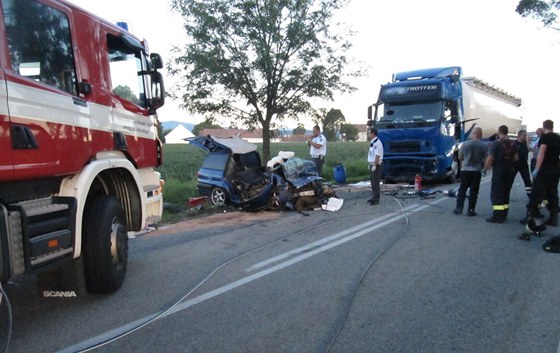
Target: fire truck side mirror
(156,61)
(85,87)
(158,91)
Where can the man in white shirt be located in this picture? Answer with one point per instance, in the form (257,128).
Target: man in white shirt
(375,157)
(317,148)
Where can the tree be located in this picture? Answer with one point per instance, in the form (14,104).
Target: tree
(126,93)
(160,132)
(330,121)
(206,124)
(350,131)
(299,130)
(545,11)
(260,61)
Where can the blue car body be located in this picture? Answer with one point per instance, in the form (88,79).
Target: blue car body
(232,173)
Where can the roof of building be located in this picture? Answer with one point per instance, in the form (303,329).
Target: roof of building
(178,135)
(227,133)
(362,127)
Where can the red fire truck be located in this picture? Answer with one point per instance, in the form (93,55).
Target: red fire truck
(78,141)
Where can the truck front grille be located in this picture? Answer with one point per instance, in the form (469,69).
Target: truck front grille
(404,146)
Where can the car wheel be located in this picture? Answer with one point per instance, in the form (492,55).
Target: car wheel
(105,245)
(218,197)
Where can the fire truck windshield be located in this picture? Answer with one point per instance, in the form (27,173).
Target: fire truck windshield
(410,115)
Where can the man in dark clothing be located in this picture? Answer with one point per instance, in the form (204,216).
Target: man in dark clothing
(535,148)
(521,166)
(472,154)
(502,155)
(546,175)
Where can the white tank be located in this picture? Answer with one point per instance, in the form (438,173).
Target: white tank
(491,107)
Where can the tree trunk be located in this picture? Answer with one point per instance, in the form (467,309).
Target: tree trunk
(266,141)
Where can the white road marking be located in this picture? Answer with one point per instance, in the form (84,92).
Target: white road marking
(325,240)
(251,278)
(391,218)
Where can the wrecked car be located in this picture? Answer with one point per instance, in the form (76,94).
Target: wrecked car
(232,174)
(301,188)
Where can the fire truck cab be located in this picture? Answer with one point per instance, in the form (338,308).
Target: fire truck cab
(78,141)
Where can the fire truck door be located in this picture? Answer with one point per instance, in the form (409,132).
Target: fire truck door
(6,163)
(50,126)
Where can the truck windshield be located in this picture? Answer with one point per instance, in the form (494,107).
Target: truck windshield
(410,115)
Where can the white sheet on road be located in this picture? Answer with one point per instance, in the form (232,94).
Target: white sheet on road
(333,204)
(361,184)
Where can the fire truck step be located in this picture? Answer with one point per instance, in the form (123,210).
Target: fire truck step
(51,245)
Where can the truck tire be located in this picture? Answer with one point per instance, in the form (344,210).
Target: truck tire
(105,245)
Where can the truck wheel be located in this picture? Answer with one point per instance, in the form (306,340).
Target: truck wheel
(105,245)
(218,197)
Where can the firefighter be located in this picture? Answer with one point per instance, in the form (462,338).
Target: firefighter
(521,166)
(502,155)
(546,175)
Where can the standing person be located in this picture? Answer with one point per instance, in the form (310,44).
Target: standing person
(521,166)
(535,148)
(374,159)
(472,154)
(546,175)
(502,154)
(317,148)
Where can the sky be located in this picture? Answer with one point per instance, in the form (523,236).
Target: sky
(488,39)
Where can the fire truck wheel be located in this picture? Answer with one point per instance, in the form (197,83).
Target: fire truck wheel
(218,197)
(105,245)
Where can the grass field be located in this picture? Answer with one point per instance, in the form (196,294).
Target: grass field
(181,163)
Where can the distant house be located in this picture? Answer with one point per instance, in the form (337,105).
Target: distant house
(293,138)
(178,135)
(253,136)
(362,132)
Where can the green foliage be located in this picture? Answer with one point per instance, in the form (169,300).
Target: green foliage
(161,134)
(541,10)
(349,131)
(177,192)
(180,162)
(275,57)
(299,130)
(206,124)
(126,93)
(331,122)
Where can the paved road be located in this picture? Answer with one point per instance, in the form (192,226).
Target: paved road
(403,276)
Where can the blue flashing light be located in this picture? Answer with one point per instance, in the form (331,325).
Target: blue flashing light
(123,25)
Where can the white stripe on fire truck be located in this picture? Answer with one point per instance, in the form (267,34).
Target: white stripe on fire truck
(29,103)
